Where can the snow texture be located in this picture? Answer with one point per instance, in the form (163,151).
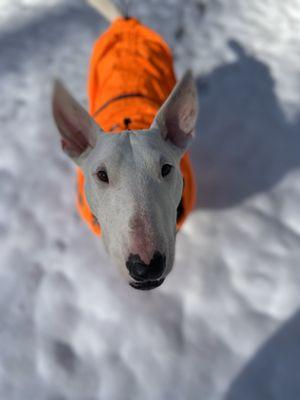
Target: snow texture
(226,323)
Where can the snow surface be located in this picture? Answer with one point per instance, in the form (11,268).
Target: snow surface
(225,324)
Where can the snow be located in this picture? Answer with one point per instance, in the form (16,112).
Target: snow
(225,324)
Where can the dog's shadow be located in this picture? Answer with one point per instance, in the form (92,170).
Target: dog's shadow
(244,143)
(274,371)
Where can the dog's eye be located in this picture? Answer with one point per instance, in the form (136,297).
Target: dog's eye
(102,176)
(166,169)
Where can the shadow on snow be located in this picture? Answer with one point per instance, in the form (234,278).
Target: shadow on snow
(244,143)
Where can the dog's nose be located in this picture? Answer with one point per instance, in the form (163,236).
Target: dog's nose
(140,271)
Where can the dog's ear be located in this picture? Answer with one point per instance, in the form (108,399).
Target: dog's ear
(78,130)
(177,117)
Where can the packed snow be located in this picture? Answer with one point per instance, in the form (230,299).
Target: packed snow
(225,324)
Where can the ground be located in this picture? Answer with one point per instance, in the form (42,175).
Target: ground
(225,324)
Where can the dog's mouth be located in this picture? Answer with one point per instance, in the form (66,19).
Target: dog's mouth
(148,285)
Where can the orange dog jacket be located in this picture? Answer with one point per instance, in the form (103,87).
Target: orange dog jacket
(131,75)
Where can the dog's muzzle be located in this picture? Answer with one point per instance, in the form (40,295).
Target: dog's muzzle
(145,276)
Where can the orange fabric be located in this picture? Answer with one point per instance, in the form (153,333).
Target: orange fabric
(129,58)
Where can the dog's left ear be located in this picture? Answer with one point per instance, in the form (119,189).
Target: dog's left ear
(177,117)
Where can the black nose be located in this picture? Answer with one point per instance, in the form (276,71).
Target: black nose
(140,271)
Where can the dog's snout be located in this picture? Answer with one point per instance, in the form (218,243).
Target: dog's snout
(140,271)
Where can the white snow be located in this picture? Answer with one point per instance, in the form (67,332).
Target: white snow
(225,325)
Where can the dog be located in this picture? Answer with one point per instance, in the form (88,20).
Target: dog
(136,184)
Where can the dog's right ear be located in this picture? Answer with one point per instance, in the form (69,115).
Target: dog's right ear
(77,128)
(176,119)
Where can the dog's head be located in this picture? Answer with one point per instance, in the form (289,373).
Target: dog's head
(133,182)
